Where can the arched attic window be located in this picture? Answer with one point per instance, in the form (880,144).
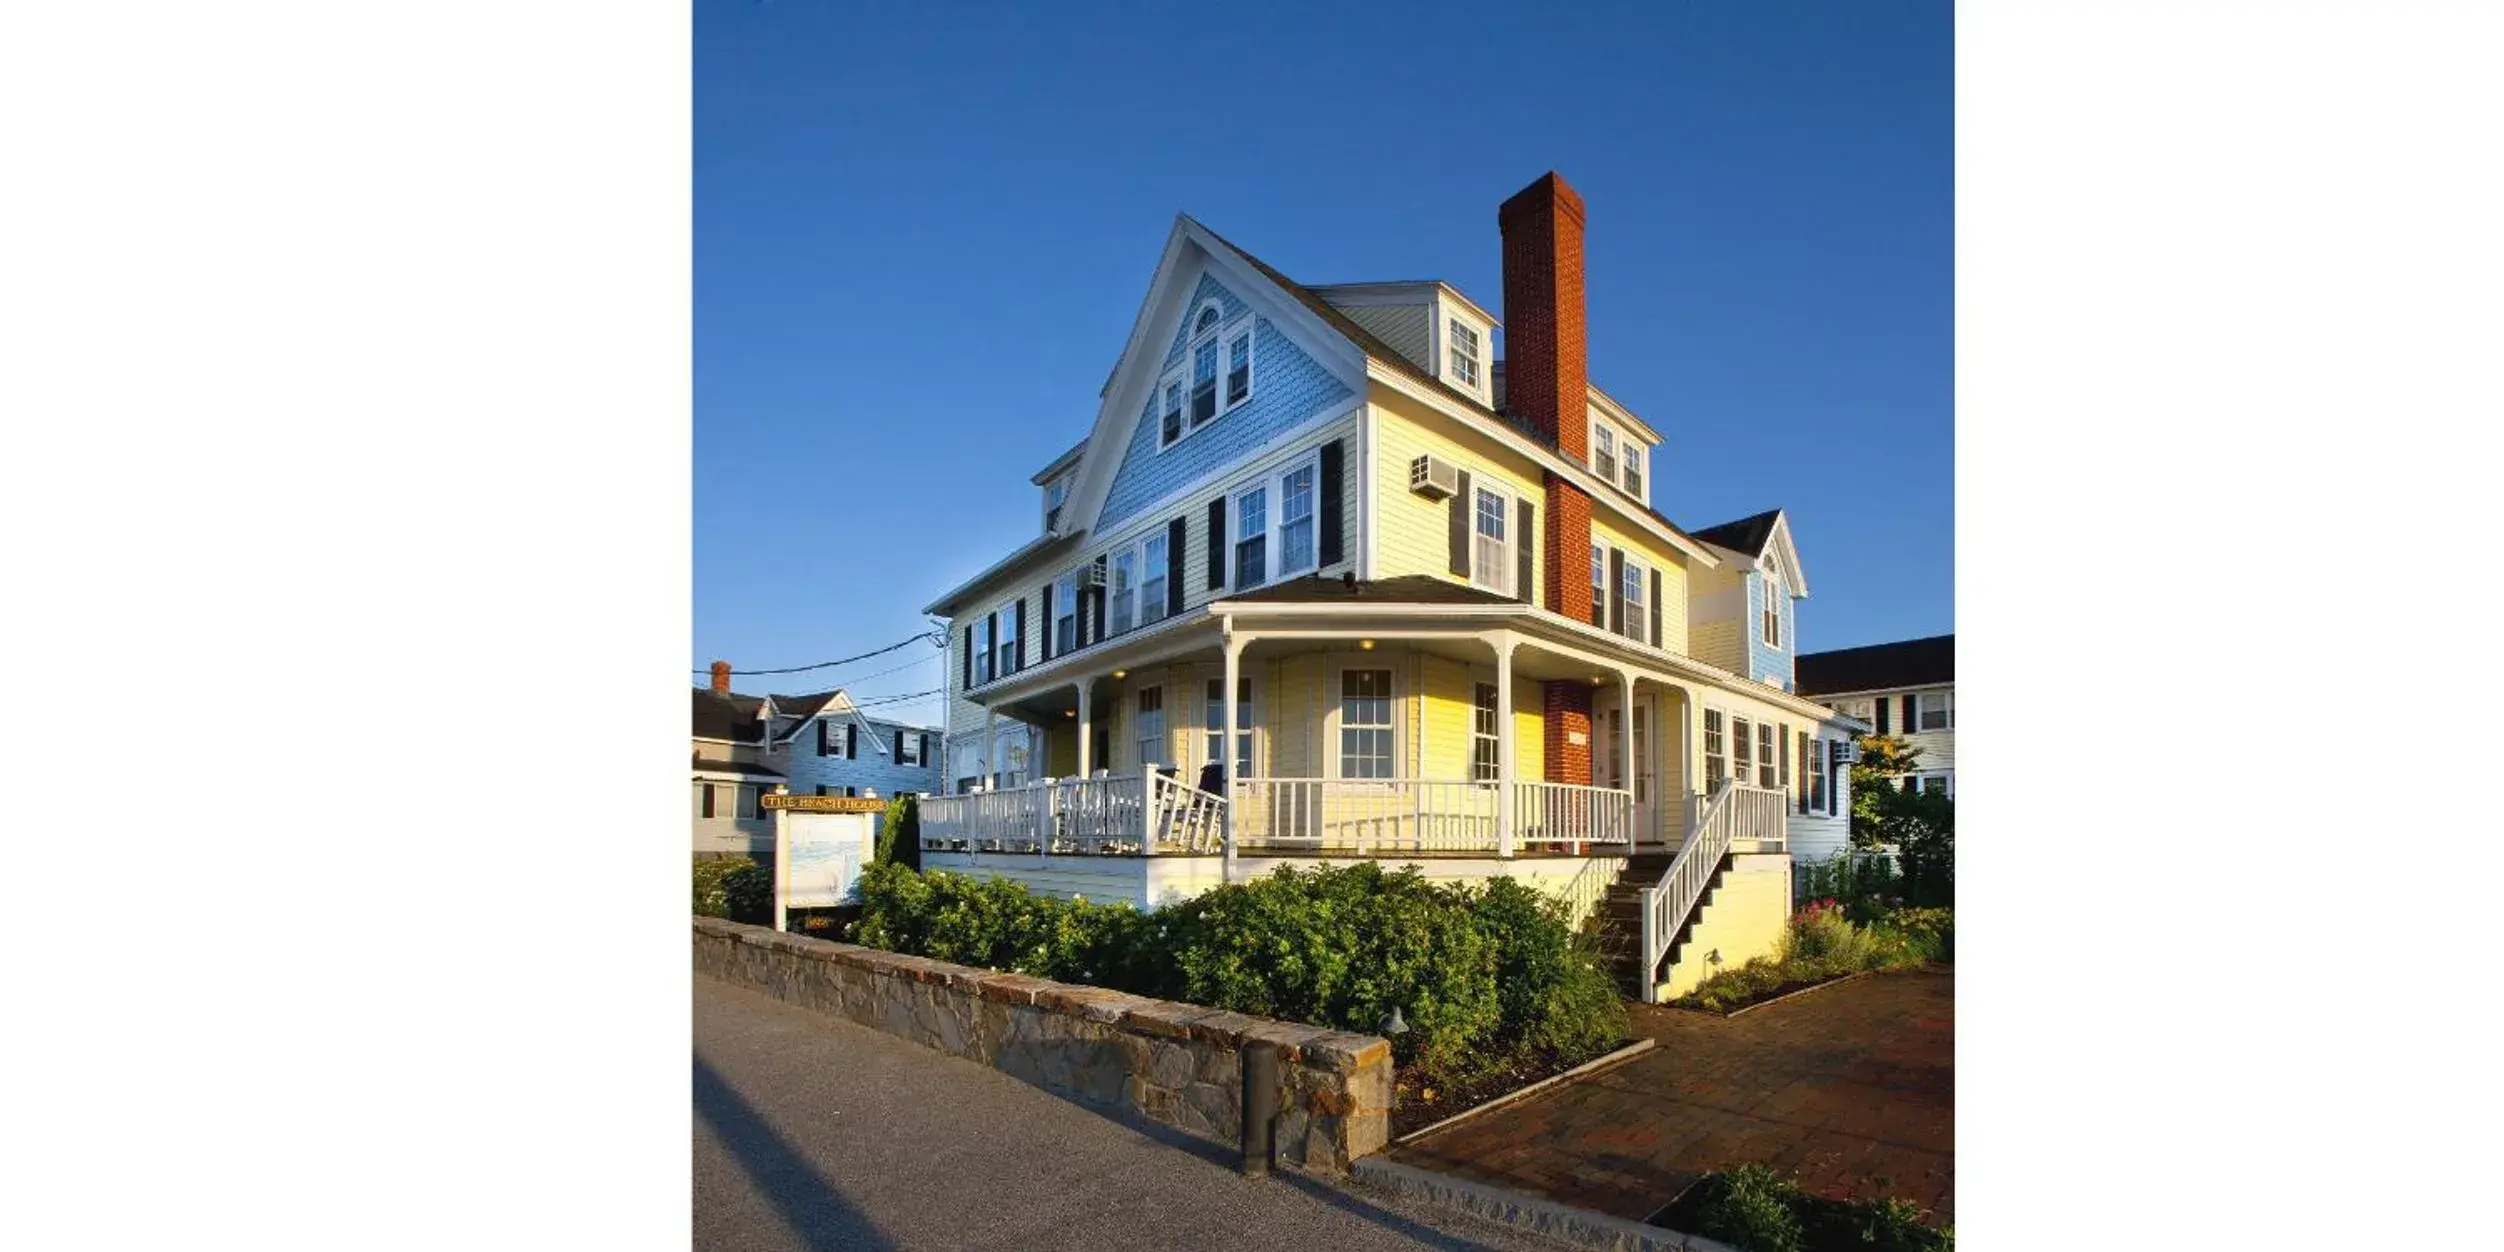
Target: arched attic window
(1214,376)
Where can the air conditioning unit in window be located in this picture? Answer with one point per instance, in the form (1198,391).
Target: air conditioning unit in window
(1847,751)
(1090,574)
(1435,478)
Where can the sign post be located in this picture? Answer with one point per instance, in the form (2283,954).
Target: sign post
(820,845)
(782,855)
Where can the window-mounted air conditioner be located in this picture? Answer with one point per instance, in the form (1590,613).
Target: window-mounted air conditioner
(1435,478)
(1090,574)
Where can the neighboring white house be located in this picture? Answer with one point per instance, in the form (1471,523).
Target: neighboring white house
(815,745)
(1905,689)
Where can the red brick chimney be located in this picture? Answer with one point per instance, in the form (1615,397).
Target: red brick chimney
(1547,388)
(721,678)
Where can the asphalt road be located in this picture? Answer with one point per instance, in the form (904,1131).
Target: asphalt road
(813,1133)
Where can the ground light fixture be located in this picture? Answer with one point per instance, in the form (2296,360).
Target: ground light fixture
(1395,1024)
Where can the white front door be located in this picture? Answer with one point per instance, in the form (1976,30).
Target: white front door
(1610,765)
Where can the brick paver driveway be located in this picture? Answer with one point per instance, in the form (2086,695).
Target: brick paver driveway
(1853,1087)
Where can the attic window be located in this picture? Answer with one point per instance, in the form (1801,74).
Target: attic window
(1464,340)
(1632,454)
(1604,452)
(1771,610)
(1207,321)
(1217,358)
(1055,494)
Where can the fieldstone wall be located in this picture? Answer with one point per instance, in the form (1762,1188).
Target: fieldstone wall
(1176,1064)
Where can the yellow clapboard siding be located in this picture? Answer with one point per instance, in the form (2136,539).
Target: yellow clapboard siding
(1673,567)
(1413,533)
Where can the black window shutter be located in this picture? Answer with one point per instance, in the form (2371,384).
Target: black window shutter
(1177,533)
(1882,715)
(1656,608)
(1834,778)
(851,741)
(1047,622)
(708,799)
(925,752)
(969,659)
(1078,637)
(991,641)
(1217,543)
(1800,792)
(1526,531)
(1460,527)
(821,736)
(899,745)
(1097,595)
(1333,545)
(1021,634)
(1617,590)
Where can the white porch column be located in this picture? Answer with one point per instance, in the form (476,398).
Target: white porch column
(1628,769)
(1229,791)
(990,780)
(1086,740)
(1506,807)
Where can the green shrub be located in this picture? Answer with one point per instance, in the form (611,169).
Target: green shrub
(1751,1207)
(1481,976)
(748,891)
(900,833)
(1930,932)
(710,901)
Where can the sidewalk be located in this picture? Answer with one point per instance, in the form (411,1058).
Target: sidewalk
(1851,1086)
(813,1133)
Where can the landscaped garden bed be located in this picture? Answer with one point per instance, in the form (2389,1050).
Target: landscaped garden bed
(1824,946)
(1481,989)
(1756,1210)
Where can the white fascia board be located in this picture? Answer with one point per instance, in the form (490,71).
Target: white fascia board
(1790,554)
(1591,484)
(1623,416)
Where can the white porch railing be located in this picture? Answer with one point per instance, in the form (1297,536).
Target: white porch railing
(1732,813)
(1557,814)
(1364,816)
(1131,814)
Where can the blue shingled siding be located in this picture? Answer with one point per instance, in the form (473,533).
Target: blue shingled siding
(1287,388)
(1763,660)
(874,769)
(1229,306)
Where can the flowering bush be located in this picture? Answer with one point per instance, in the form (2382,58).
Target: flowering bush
(1823,943)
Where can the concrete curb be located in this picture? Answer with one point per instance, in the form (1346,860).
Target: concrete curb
(1581,1227)
(1744,1009)
(1627,1053)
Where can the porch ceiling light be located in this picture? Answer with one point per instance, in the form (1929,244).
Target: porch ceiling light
(1069,712)
(1121,673)
(1365,644)
(1596,680)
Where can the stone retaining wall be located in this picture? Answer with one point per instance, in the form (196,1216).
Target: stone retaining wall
(1177,1064)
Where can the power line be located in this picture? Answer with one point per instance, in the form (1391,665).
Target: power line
(932,637)
(897,699)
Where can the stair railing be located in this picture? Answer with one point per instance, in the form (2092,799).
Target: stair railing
(1733,812)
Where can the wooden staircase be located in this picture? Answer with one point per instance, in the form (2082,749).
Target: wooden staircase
(1617,922)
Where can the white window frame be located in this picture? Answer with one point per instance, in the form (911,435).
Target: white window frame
(1065,609)
(1334,701)
(1636,581)
(1247,716)
(1507,543)
(1273,488)
(1604,450)
(1312,519)
(986,643)
(1630,464)
(909,750)
(1004,771)
(1818,784)
(1457,332)
(1121,595)
(1005,645)
(1243,327)
(1768,756)
(1923,702)
(1716,747)
(1599,584)
(1624,467)
(1055,495)
(1152,573)
(1742,750)
(1486,751)
(1140,735)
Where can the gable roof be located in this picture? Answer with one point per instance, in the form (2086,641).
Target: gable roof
(1754,536)
(732,717)
(1877,667)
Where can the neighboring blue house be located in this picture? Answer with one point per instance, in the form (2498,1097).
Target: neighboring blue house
(1742,614)
(834,749)
(821,744)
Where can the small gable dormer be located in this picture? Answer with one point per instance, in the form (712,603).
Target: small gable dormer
(1432,324)
(1621,446)
(1744,615)
(1056,480)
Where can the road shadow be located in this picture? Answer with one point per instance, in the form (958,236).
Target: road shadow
(807,1202)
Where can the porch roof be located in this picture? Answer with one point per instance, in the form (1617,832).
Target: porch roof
(1405,589)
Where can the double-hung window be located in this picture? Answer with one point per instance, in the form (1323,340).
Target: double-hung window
(1007,664)
(1742,751)
(1239,367)
(1632,453)
(1813,752)
(1365,742)
(1251,538)
(1491,553)
(1464,339)
(1152,558)
(1171,428)
(1932,710)
(1716,751)
(1213,724)
(1055,494)
(984,643)
(1632,582)
(909,749)
(1771,609)
(1125,593)
(1204,381)
(1295,520)
(1482,734)
(1604,452)
(1065,614)
(1599,585)
(1153,748)
(1768,770)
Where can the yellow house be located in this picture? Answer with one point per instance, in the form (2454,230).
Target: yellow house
(1328,579)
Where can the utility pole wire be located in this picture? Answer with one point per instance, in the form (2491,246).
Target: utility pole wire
(934,638)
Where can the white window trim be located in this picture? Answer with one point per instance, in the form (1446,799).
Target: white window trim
(1512,538)
(1203,678)
(1004,643)
(1335,666)
(1639,605)
(1601,429)
(1947,700)
(1454,329)
(1227,330)
(1147,563)
(1063,483)
(1494,739)
(1704,744)
(1619,440)
(1064,605)
(1769,612)
(1139,739)
(1273,514)
(1113,590)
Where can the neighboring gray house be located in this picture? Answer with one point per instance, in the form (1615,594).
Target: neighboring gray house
(1906,689)
(820,744)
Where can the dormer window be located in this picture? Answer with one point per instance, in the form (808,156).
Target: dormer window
(1604,452)
(1771,611)
(1632,454)
(1464,340)
(1055,494)
(1617,457)
(1216,376)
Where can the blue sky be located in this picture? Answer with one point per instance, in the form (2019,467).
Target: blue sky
(920,238)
